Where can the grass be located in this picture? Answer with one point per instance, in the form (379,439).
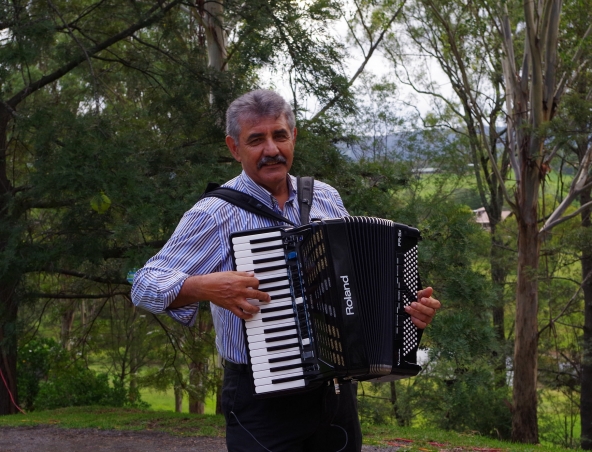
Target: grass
(105,418)
(165,401)
(434,440)
(181,424)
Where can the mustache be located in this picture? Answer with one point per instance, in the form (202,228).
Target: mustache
(265,160)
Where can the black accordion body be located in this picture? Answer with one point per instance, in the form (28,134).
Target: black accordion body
(338,290)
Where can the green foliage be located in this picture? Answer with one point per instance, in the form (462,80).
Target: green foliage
(78,386)
(466,400)
(34,362)
(49,379)
(458,387)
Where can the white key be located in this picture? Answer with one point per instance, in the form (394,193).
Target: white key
(261,348)
(267,366)
(280,386)
(257,323)
(254,331)
(256,302)
(263,337)
(276,303)
(248,238)
(263,286)
(266,373)
(271,273)
(240,247)
(244,260)
(250,267)
(264,359)
(268,380)
(275,293)
(263,315)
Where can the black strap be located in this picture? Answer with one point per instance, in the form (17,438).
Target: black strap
(242,200)
(305,191)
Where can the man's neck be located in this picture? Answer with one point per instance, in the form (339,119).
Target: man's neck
(281,193)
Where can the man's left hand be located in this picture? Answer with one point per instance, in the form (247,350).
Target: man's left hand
(422,311)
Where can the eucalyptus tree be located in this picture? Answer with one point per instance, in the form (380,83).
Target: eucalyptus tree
(533,94)
(503,64)
(462,42)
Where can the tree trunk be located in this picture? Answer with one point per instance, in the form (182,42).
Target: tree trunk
(8,283)
(395,403)
(586,394)
(196,402)
(67,321)
(213,18)
(178,399)
(524,420)
(8,348)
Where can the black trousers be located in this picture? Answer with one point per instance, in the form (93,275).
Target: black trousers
(316,421)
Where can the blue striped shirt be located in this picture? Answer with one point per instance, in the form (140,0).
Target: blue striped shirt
(201,245)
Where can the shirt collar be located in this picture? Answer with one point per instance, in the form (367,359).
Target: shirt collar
(262,194)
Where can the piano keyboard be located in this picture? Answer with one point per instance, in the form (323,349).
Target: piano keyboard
(278,335)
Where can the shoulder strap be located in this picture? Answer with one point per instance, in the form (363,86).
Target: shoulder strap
(242,200)
(305,191)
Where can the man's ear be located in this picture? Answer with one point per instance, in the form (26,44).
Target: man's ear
(233,148)
(294,133)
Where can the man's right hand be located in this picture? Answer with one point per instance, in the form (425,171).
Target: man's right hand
(228,290)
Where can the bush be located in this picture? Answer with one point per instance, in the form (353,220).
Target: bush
(468,401)
(77,385)
(49,379)
(33,367)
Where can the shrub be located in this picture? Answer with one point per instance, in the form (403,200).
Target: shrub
(33,367)
(48,379)
(77,385)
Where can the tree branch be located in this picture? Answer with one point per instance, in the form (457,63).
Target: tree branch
(339,95)
(98,279)
(63,296)
(57,74)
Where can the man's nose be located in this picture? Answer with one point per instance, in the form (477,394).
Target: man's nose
(270,147)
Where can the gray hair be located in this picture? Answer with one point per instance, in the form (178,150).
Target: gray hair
(261,103)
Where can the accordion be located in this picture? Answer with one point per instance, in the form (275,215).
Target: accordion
(338,290)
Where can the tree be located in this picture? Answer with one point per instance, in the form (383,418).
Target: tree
(533,95)
(463,43)
(108,132)
(42,43)
(484,79)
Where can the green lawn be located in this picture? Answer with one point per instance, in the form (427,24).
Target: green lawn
(410,439)
(165,401)
(121,419)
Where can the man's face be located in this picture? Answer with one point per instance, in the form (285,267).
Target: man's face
(265,149)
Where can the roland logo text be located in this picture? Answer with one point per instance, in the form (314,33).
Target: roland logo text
(347,297)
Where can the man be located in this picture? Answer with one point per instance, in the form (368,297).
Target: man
(196,265)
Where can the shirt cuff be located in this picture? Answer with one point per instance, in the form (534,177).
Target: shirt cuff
(185,315)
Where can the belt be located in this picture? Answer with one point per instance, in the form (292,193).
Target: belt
(234,366)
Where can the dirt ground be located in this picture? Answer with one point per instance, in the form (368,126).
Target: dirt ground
(54,439)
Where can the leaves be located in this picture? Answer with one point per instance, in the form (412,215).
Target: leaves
(100,203)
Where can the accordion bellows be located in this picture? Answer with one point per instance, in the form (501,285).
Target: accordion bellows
(338,290)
